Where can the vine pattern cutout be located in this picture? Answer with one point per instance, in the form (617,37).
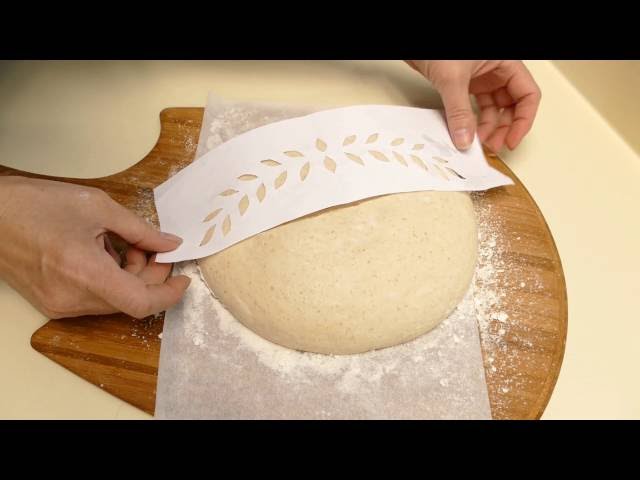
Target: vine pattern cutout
(440,167)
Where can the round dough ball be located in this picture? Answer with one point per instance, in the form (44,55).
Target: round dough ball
(349,279)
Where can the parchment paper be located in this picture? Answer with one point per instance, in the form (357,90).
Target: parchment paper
(212,367)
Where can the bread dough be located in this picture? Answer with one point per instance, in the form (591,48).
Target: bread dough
(352,278)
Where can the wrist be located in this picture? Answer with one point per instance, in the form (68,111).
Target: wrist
(6,193)
(9,208)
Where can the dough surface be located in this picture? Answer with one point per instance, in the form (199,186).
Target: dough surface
(352,278)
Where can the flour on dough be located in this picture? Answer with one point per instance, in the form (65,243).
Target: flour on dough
(354,278)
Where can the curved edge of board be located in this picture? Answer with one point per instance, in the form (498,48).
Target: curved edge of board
(543,399)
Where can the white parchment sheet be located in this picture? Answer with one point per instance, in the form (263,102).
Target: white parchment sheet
(212,367)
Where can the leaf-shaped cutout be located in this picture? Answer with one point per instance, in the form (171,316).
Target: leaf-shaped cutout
(280,180)
(355,158)
(261,192)
(400,159)
(304,171)
(378,156)
(212,215)
(226,225)
(372,138)
(397,141)
(228,193)
(247,177)
(418,161)
(440,159)
(243,204)
(349,140)
(455,173)
(208,235)
(330,164)
(293,153)
(441,172)
(320,145)
(270,163)
(418,146)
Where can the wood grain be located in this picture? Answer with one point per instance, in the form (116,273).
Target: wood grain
(121,354)
(523,356)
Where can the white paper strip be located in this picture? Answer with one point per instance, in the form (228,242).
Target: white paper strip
(288,169)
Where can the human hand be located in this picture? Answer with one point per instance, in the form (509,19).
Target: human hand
(55,252)
(506,94)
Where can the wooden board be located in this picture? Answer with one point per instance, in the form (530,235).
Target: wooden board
(121,354)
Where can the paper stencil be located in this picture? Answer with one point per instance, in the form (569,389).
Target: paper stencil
(288,169)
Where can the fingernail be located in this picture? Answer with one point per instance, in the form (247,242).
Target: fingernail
(171,237)
(462,138)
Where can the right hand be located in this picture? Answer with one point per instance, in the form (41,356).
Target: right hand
(507,96)
(55,252)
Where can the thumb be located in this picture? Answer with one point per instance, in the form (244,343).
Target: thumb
(137,232)
(460,118)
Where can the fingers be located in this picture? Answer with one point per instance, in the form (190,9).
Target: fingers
(496,140)
(136,260)
(510,85)
(489,116)
(525,113)
(526,94)
(508,127)
(495,121)
(149,271)
(502,98)
(129,293)
(460,119)
(138,232)
(155,273)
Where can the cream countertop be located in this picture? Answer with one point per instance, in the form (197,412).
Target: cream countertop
(90,119)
